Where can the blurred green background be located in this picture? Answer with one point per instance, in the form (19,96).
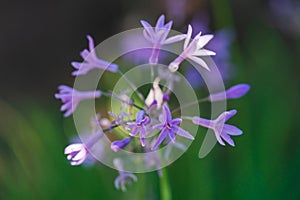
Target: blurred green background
(38,40)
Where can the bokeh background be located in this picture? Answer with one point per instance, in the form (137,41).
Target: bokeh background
(38,39)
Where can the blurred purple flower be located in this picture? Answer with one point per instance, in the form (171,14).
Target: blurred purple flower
(117,145)
(158,36)
(222,131)
(124,177)
(286,16)
(139,126)
(169,127)
(233,92)
(71,98)
(91,61)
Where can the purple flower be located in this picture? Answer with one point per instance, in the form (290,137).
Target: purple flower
(139,126)
(222,131)
(91,61)
(169,127)
(234,92)
(193,49)
(124,177)
(77,153)
(120,144)
(71,97)
(158,36)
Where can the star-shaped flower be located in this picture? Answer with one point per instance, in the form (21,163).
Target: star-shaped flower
(222,131)
(169,127)
(91,61)
(158,36)
(139,126)
(193,49)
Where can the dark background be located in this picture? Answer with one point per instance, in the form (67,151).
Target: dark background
(39,39)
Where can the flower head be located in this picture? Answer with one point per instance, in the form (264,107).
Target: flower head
(169,127)
(71,98)
(192,49)
(124,177)
(233,92)
(222,131)
(117,145)
(77,153)
(91,61)
(158,36)
(139,126)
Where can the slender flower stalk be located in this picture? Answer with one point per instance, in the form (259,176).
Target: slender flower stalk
(192,50)
(222,131)
(91,61)
(71,98)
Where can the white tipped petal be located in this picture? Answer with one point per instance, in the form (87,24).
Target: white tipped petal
(203,40)
(174,39)
(73,147)
(200,62)
(188,36)
(204,52)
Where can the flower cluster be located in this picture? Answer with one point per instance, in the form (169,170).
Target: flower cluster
(151,124)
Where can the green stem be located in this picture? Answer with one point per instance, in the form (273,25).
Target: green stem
(165,189)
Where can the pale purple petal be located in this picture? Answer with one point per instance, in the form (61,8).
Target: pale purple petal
(228,139)
(174,39)
(183,133)
(158,126)
(167,113)
(140,116)
(237,91)
(231,130)
(160,23)
(176,121)
(202,122)
(172,135)
(160,139)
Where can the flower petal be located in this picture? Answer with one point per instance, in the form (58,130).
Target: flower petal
(232,130)
(160,139)
(204,52)
(174,39)
(182,133)
(199,61)
(228,139)
(188,36)
(160,23)
(203,40)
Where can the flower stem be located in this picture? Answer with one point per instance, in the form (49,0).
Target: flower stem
(140,95)
(165,190)
(112,95)
(190,104)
